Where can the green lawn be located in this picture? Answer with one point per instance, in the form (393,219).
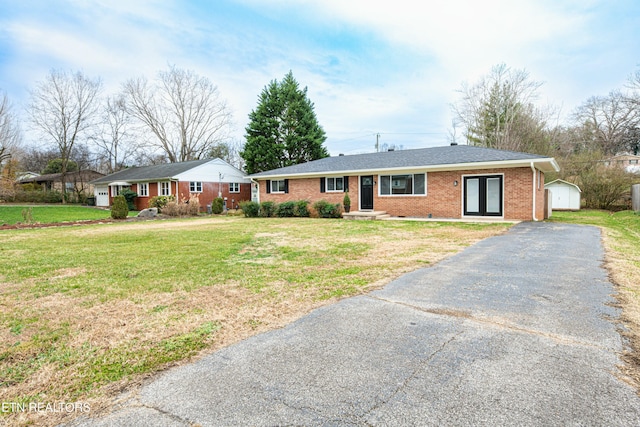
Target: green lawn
(87,310)
(12,214)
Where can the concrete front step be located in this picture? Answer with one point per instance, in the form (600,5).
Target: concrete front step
(365,215)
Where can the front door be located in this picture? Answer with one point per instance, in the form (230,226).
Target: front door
(483,195)
(366,192)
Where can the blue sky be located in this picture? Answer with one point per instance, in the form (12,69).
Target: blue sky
(370,67)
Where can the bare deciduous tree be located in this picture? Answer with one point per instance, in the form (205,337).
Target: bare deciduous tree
(182,110)
(114,138)
(10,136)
(498,111)
(63,108)
(609,122)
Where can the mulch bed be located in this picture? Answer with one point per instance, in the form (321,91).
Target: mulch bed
(73,223)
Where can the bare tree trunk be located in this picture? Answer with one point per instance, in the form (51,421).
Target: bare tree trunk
(63,108)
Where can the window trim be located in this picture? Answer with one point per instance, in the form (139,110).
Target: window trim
(144,193)
(193,186)
(234,187)
(413,181)
(160,189)
(334,179)
(284,186)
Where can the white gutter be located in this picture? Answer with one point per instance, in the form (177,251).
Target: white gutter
(258,186)
(534,191)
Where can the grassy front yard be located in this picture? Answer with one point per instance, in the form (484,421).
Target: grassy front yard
(87,311)
(12,214)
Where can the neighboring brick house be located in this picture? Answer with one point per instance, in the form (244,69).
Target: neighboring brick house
(626,161)
(207,178)
(441,182)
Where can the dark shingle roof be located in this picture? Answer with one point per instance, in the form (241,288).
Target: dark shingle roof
(404,159)
(164,171)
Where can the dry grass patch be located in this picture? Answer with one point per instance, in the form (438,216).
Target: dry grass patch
(87,313)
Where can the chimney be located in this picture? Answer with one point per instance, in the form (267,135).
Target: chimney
(391,149)
(341,155)
(454,143)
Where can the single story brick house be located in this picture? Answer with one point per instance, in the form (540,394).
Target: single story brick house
(209,178)
(457,181)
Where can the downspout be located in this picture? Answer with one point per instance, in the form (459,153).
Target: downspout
(258,187)
(534,191)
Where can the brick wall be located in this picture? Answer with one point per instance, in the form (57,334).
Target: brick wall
(443,199)
(209,192)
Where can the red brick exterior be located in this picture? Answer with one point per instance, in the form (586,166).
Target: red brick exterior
(443,199)
(181,191)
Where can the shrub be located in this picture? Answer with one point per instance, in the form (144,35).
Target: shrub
(286,209)
(119,210)
(250,209)
(326,209)
(130,197)
(171,209)
(217,206)
(267,209)
(605,188)
(160,202)
(346,200)
(302,209)
(189,207)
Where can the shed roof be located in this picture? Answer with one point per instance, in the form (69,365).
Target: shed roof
(434,158)
(562,182)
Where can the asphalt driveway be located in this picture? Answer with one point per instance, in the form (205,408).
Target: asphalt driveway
(515,330)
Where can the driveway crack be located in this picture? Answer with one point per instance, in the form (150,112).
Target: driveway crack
(412,375)
(494,322)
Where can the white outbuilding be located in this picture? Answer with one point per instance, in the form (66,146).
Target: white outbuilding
(565,196)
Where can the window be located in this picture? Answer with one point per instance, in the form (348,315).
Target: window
(165,188)
(195,187)
(143,189)
(414,184)
(234,187)
(278,186)
(335,184)
(633,161)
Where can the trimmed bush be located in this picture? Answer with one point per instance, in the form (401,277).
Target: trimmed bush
(217,206)
(250,209)
(268,209)
(119,210)
(302,209)
(327,210)
(130,197)
(286,209)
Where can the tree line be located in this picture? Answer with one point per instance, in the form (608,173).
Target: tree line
(180,116)
(501,111)
(177,117)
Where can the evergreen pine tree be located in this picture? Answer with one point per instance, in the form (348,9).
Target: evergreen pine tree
(283,130)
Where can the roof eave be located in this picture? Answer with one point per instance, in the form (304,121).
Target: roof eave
(544,164)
